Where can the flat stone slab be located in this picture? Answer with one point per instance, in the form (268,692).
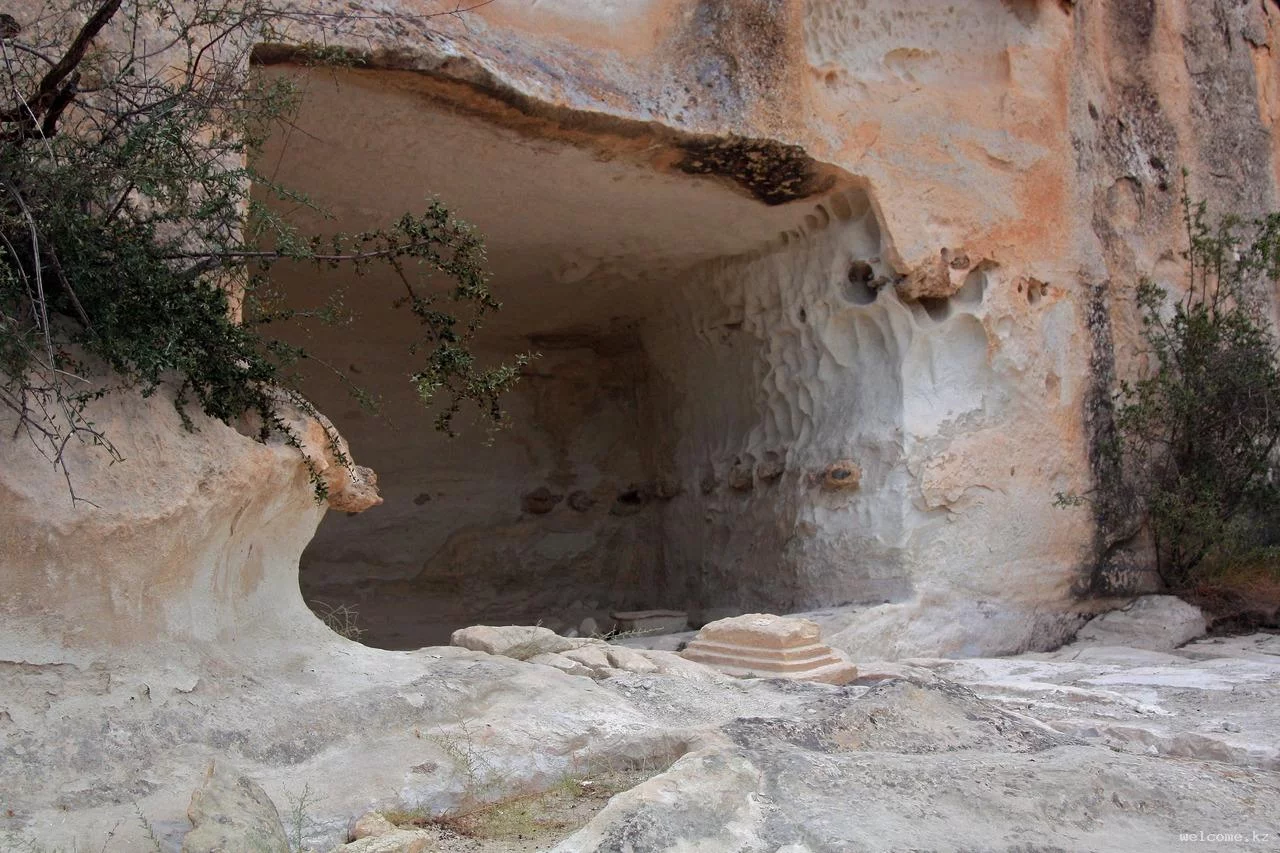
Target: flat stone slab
(652,621)
(763,645)
(513,641)
(795,658)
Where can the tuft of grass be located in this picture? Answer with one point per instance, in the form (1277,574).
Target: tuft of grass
(547,814)
(342,619)
(542,815)
(407,817)
(147,830)
(482,780)
(516,818)
(299,816)
(618,634)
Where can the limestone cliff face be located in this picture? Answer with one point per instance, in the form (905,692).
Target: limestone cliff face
(830,297)
(753,240)
(965,196)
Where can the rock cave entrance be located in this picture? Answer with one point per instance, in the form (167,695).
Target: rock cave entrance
(658,457)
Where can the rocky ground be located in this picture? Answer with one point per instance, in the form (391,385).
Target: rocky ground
(1096,746)
(1092,747)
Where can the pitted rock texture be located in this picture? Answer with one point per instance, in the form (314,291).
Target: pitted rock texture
(773,173)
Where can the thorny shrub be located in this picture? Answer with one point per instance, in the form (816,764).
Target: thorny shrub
(1196,433)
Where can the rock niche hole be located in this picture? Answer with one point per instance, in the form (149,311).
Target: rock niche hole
(563,517)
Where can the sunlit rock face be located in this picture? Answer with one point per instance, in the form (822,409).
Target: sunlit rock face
(754,242)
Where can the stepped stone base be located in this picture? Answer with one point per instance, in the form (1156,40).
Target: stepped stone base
(762,645)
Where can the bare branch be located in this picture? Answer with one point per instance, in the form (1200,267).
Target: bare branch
(36,104)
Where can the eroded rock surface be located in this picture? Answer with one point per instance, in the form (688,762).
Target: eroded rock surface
(1122,744)
(98,716)
(1208,700)
(802,800)
(1084,749)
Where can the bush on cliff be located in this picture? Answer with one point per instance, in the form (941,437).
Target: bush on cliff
(129,238)
(1198,431)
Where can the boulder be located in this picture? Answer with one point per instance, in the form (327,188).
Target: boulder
(562,663)
(521,642)
(230,813)
(594,658)
(1155,622)
(630,660)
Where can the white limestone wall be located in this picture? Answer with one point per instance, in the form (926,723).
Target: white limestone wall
(780,364)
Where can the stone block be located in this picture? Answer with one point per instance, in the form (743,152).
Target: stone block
(590,656)
(652,621)
(763,645)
